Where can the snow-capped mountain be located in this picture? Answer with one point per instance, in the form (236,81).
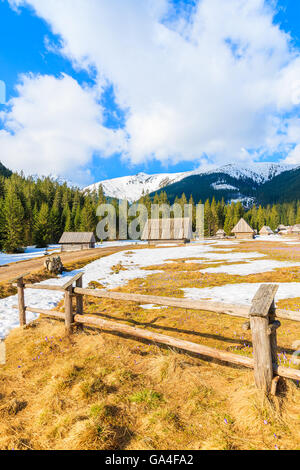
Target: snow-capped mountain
(133,187)
(258,172)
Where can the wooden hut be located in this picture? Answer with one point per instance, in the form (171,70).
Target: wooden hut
(178,230)
(243,230)
(284,230)
(266,230)
(295,232)
(75,241)
(221,233)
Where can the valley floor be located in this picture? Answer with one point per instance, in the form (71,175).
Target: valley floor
(101,391)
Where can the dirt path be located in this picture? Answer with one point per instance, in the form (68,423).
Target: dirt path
(11,271)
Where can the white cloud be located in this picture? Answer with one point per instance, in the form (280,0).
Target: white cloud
(53,127)
(218,84)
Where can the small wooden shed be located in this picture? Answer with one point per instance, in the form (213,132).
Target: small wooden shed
(75,241)
(284,230)
(221,233)
(243,230)
(177,230)
(295,231)
(266,230)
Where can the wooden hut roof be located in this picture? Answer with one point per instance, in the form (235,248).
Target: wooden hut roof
(167,229)
(266,229)
(221,232)
(77,237)
(242,227)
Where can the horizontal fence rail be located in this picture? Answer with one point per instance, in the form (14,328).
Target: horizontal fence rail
(184,345)
(262,318)
(234,310)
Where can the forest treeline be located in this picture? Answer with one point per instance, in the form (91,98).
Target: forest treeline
(36,211)
(219,215)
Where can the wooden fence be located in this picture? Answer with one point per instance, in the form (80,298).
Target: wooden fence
(263,320)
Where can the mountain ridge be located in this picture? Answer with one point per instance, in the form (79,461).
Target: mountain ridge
(5,171)
(231,181)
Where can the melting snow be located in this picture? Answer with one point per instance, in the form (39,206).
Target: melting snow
(240,293)
(29,253)
(257,266)
(133,262)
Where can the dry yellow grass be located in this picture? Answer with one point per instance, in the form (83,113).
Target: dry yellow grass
(98,391)
(275,250)
(172,280)
(102,391)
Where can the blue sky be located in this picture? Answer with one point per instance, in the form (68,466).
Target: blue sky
(152,118)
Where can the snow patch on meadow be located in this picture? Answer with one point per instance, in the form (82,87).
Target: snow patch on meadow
(252,267)
(242,293)
(151,307)
(99,270)
(30,253)
(133,262)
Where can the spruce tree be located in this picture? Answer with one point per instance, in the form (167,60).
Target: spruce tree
(42,227)
(214,217)
(228,223)
(55,228)
(207,219)
(261,220)
(274,218)
(88,218)
(77,219)
(2,223)
(238,212)
(13,214)
(69,221)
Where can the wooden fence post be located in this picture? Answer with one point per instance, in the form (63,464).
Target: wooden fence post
(69,318)
(69,314)
(263,335)
(272,331)
(21,301)
(79,297)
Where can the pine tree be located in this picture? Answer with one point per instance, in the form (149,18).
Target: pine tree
(291,215)
(228,223)
(76,204)
(69,220)
(148,202)
(13,214)
(298,215)
(214,217)
(274,218)
(220,214)
(2,223)
(88,218)
(193,212)
(183,202)
(42,227)
(207,219)
(77,219)
(55,228)
(238,212)
(261,220)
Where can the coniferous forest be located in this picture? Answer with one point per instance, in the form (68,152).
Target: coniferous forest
(226,215)
(36,211)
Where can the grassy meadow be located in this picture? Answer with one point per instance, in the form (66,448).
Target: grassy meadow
(102,391)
